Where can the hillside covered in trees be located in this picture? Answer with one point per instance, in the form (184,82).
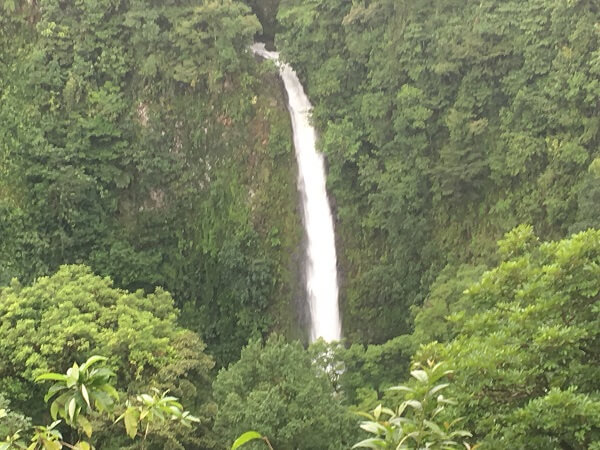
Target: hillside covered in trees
(149,215)
(446,124)
(140,139)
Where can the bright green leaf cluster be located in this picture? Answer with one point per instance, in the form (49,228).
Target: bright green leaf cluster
(525,349)
(76,392)
(417,422)
(147,410)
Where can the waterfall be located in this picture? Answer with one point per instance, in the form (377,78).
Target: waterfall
(320,260)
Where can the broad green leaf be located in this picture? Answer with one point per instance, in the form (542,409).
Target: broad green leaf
(420,375)
(57,387)
(373,427)
(388,411)
(131,417)
(175,411)
(72,375)
(371,443)
(245,438)
(85,395)
(436,411)
(434,427)
(414,404)
(51,445)
(85,425)
(54,409)
(187,416)
(446,401)
(51,376)
(91,361)
(461,433)
(102,372)
(377,411)
(54,424)
(412,435)
(401,420)
(365,415)
(437,388)
(401,388)
(455,421)
(71,409)
(436,367)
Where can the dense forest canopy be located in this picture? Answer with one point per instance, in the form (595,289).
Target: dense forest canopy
(149,215)
(141,140)
(446,124)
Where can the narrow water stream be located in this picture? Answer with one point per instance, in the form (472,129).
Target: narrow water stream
(320,259)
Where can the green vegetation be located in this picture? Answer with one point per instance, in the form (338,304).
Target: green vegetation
(279,389)
(416,423)
(446,124)
(75,314)
(140,140)
(79,389)
(148,213)
(83,391)
(526,350)
(250,436)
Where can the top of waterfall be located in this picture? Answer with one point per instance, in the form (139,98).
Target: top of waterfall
(260,49)
(298,100)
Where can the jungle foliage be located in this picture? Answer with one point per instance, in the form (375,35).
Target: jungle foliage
(446,124)
(525,345)
(140,139)
(279,389)
(84,393)
(75,314)
(148,213)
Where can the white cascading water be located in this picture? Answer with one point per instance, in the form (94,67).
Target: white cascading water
(321,263)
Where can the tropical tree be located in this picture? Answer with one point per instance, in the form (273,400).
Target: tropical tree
(418,422)
(75,314)
(277,388)
(526,350)
(75,392)
(83,391)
